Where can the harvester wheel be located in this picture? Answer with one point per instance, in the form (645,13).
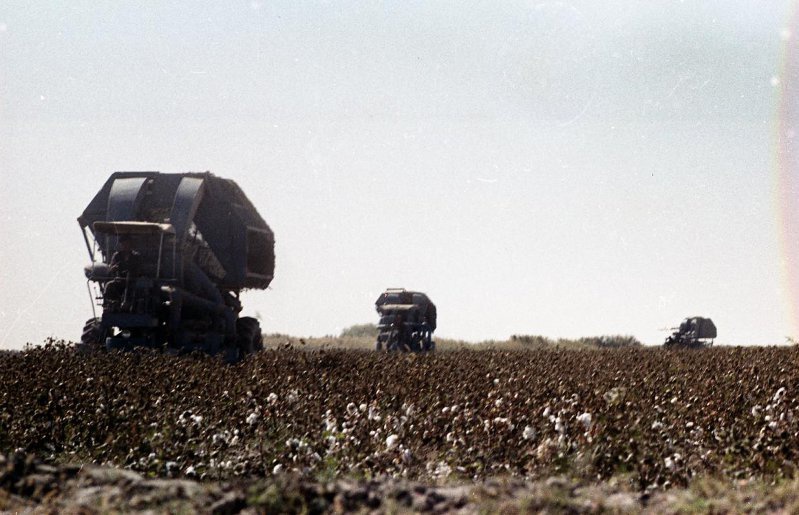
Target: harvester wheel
(415,344)
(231,354)
(93,336)
(393,343)
(250,338)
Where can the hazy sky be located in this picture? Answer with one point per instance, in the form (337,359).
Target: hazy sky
(556,168)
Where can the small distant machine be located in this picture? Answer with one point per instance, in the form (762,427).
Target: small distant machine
(407,321)
(693,333)
(170,254)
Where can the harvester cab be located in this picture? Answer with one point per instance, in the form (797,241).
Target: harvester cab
(407,321)
(170,255)
(693,332)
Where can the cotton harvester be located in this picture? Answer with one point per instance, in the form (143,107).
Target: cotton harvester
(407,321)
(170,256)
(694,333)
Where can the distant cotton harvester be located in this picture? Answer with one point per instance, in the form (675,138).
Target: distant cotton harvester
(693,332)
(407,321)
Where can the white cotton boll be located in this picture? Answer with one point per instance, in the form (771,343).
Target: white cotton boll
(585,420)
(669,463)
(407,457)
(252,418)
(547,411)
(392,441)
(779,394)
(657,425)
(271,398)
(330,422)
(190,471)
(296,444)
(614,394)
(529,433)
(441,469)
(560,427)
(277,469)
(498,403)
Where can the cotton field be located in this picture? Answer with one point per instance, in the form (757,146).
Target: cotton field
(657,417)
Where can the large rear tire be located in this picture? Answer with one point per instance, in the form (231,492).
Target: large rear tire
(249,335)
(393,343)
(415,345)
(93,336)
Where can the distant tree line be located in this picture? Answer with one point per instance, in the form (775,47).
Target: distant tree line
(615,341)
(360,331)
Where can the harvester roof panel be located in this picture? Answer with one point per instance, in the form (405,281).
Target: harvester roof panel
(398,307)
(132,228)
